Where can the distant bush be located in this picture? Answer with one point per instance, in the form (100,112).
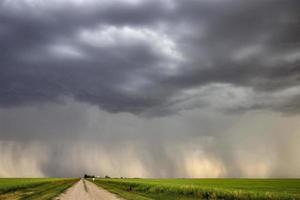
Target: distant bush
(89,176)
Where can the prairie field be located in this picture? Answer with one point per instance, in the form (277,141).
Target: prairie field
(33,188)
(188,189)
(160,189)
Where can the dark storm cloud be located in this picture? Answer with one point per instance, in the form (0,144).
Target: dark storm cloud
(62,60)
(142,56)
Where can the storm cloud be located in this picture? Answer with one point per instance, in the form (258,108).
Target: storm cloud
(140,56)
(154,80)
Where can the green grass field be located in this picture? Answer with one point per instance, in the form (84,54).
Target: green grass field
(188,189)
(33,188)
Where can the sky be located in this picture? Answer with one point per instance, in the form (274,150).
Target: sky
(149,88)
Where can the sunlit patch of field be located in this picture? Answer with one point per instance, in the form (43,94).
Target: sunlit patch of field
(188,189)
(33,188)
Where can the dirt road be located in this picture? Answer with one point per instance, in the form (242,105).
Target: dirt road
(84,190)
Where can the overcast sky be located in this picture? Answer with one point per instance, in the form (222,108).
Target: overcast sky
(149,88)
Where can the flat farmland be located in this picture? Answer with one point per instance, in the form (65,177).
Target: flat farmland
(146,189)
(33,188)
(188,189)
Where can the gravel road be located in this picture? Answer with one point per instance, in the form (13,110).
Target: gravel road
(85,190)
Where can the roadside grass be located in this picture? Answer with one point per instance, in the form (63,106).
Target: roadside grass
(122,192)
(188,189)
(33,188)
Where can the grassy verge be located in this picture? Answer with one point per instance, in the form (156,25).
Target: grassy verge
(31,189)
(188,189)
(122,192)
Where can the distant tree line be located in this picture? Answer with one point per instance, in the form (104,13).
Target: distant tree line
(89,176)
(93,176)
